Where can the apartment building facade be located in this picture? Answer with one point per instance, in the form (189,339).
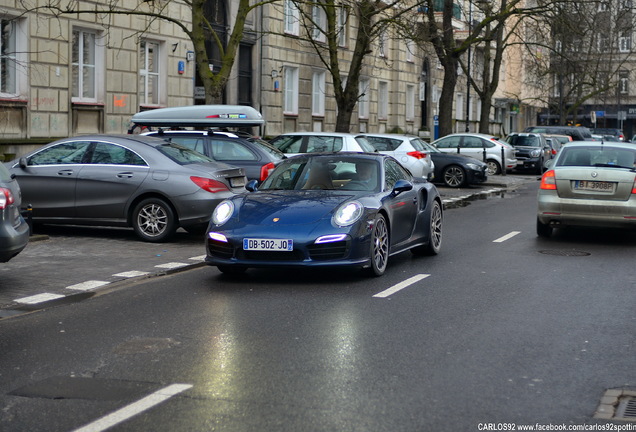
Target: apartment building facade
(75,74)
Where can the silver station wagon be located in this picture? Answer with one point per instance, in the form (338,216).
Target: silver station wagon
(589,184)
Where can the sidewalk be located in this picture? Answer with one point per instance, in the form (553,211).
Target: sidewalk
(65,264)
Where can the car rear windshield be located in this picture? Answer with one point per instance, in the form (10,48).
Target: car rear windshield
(5,175)
(183,155)
(267,147)
(597,156)
(524,140)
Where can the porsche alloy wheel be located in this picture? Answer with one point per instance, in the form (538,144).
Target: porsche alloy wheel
(435,238)
(379,246)
(454,176)
(154,220)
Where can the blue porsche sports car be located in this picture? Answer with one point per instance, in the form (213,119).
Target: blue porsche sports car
(336,209)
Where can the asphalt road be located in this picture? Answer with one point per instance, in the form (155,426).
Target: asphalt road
(66,264)
(501,328)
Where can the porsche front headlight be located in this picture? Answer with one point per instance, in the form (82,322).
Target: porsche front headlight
(222,212)
(348,213)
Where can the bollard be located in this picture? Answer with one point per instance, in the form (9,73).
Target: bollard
(503,161)
(29,218)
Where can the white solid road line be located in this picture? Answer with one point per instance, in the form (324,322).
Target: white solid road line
(506,237)
(401,285)
(134,408)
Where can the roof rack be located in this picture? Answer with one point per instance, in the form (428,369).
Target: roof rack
(199,116)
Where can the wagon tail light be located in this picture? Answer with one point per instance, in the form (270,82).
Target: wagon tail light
(417,154)
(548,181)
(210,185)
(266,170)
(6,198)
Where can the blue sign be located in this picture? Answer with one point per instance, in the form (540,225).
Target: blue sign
(435,126)
(600,113)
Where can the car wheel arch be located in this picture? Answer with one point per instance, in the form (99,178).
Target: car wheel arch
(140,198)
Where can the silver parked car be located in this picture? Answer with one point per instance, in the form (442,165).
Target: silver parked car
(108,180)
(14,230)
(497,154)
(589,184)
(410,151)
(295,143)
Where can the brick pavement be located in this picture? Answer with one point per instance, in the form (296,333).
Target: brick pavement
(63,263)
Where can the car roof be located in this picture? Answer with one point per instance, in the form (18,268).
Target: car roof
(613,144)
(141,139)
(200,116)
(335,134)
(340,155)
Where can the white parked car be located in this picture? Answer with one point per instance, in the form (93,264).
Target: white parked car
(495,153)
(294,143)
(410,151)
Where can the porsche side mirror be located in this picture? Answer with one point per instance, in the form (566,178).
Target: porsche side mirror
(402,186)
(22,162)
(252,186)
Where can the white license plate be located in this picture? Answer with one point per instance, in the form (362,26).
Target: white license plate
(237,182)
(256,244)
(599,186)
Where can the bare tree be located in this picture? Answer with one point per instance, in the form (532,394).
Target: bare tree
(200,30)
(373,19)
(486,28)
(589,45)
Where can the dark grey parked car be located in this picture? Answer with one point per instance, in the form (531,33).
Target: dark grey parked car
(257,157)
(14,231)
(108,180)
(532,150)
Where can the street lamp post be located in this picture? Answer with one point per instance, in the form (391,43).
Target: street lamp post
(470,19)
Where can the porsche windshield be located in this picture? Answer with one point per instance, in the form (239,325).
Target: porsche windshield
(324,174)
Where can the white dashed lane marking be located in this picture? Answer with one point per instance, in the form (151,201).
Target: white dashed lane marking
(401,285)
(88,285)
(171,265)
(135,408)
(131,274)
(39,298)
(506,237)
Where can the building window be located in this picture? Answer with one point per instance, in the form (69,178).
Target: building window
(318,94)
(383,100)
(382,44)
(85,66)
(291,91)
(410,51)
(410,102)
(625,43)
(459,106)
(341,25)
(292,17)
(8,59)
(623,82)
(363,100)
(319,19)
(149,73)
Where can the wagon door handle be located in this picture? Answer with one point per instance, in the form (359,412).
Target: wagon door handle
(66,172)
(125,175)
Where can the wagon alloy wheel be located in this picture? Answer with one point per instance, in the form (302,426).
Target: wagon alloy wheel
(379,246)
(543,230)
(154,220)
(454,176)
